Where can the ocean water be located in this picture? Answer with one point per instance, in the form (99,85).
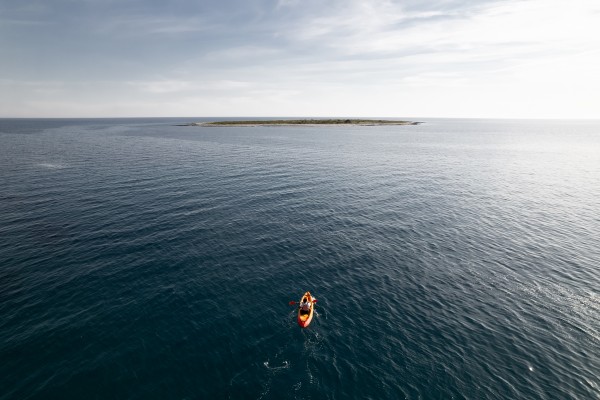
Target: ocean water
(457,259)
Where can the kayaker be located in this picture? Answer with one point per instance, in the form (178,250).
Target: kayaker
(305,306)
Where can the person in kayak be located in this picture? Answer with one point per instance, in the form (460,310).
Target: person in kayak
(305,306)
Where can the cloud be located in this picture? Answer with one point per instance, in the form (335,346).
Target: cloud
(371,28)
(179,86)
(139,25)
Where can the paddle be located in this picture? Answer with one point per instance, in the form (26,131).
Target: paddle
(295,302)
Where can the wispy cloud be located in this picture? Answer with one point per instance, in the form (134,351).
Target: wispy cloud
(181,86)
(140,25)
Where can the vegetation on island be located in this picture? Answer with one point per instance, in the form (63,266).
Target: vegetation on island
(340,121)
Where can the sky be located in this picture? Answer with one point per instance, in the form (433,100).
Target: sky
(300,58)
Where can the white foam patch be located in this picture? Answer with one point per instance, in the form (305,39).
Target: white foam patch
(283,365)
(52,166)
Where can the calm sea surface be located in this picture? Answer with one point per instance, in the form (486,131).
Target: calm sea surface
(458,259)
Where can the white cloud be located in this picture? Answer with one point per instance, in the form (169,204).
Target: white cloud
(166,86)
(162,86)
(139,25)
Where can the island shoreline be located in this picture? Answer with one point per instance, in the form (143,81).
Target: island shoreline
(301,122)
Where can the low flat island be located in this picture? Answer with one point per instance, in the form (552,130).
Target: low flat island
(303,122)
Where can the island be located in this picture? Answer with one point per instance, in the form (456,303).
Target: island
(302,122)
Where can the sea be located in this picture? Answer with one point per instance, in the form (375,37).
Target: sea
(455,259)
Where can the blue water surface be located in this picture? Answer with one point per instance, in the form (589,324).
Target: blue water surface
(457,259)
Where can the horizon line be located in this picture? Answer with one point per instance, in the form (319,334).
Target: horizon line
(309,117)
